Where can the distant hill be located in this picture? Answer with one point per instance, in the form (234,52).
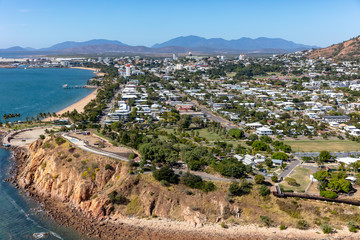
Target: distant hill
(71,44)
(345,51)
(14,49)
(177,45)
(113,48)
(105,48)
(246,44)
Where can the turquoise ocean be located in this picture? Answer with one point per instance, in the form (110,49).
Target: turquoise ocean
(28,92)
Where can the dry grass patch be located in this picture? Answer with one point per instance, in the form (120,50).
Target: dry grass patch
(318,145)
(302,177)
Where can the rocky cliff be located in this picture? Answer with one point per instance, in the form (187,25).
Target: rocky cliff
(56,172)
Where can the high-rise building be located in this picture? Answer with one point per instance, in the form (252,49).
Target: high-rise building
(128,71)
(241,57)
(175,57)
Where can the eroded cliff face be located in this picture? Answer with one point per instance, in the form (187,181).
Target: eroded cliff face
(83,181)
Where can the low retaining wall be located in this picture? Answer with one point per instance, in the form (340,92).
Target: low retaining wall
(308,196)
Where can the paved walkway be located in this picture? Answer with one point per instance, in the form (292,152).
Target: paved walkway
(84,146)
(207,176)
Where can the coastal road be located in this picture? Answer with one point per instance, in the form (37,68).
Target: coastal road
(108,108)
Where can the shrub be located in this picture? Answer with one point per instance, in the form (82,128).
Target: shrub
(223,225)
(165,183)
(59,140)
(167,174)
(208,186)
(192,181)
(259,179)
(353,227)
(117,198)
(280,156)
(42,136)
(328,194)
(108,166)
(47,145)
(274,178)
(237,190)
(326,228)
(76,155)
(291,208)
(282,227)
(266,220)
(131,156)
(302,224)
(188,192)
(85,174)
(291,181)
(43,166)
(69,159)
(264,191)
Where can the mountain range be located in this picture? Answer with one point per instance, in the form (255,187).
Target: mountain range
(176,45)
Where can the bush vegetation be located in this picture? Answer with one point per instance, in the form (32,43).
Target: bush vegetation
(166,174)
(117,198)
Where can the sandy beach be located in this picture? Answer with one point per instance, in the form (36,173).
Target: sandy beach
(95,70)
(78,106)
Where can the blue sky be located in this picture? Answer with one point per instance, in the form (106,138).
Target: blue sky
(42,23)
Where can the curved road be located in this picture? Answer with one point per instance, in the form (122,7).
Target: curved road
(82,145)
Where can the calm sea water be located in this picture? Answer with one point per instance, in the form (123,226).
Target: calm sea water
(28,92)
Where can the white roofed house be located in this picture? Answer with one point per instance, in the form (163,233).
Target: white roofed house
(338,119)
(277,162)
(355,132)
(264,131)
(254,125)
(347,160)
(248,160)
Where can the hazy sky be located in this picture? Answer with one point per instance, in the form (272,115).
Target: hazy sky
(42,23)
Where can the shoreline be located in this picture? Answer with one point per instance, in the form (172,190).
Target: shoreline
(96,71)
(78,106)
(124,227)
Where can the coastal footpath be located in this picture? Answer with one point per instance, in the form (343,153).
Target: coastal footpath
(76,188)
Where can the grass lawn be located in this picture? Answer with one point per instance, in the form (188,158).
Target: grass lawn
(301,175)
(319,145)
(232,74)
(29,125)
(210,136)
(202,133)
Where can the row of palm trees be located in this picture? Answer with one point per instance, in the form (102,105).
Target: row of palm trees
(11,115)
(38,117)
(45,115)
